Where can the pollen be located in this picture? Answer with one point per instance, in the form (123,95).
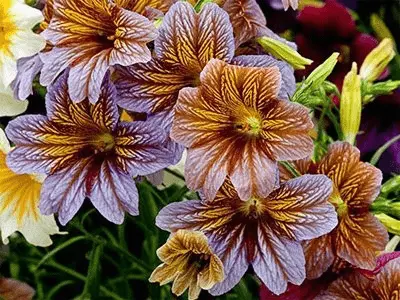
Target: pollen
(250,125)
(252,208)
(104,142)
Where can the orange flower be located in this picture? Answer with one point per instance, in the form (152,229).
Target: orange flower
(89,36)
(234,125)
(359,235)
(385,286)
(188,261)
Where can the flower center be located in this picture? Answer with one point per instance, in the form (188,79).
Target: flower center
(250,125)
(7,30)
(252,208)
(199,260)
(103,142)
(337,201)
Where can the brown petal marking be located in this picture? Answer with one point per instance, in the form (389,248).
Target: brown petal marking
(387,282)
(151,87)
(350,286)
(139,6)
(361,187)
(11,289)
(164,274)
(190,40)
(247,19)
(359,238)
(340,161)
(319,255)
(285,130)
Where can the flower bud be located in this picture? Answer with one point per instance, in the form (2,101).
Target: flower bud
(380,29)
(284,52)
(350,105)
(377,60)
(392,225)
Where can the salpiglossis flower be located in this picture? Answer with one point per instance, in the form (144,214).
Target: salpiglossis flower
(87,152)
(189,262)
(262,232)
(19,200)
(89,36)
(16,37)
(354,286)
(359,235)
(187,42)
(234,125)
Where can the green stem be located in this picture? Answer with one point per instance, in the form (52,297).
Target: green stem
(288,166)
(381,150)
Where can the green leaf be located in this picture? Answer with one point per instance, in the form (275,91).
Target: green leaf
(92,284)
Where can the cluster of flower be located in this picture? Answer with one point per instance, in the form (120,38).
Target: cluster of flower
(131,84)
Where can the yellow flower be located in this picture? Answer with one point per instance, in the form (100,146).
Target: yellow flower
(188,261)
(19,199)
(377,60)
(17,39)
(350,105)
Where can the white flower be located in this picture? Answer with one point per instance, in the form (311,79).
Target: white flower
(19,199)
(17,39)
(9,106)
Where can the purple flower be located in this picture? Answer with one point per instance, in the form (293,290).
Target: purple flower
(263,232)
(87,152)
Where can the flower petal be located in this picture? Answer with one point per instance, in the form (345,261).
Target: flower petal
(143,148)
(11,289)
(319,255)
(113,193)
(151,87)
(288,85)
(387,281)
(359,238)
(9,106)
(247,19)
(139,6)
(64,192)
(285,130)
(28,69)
(190,40)
(278,260)
(300,208)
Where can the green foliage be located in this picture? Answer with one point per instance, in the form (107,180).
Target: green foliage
(101,260)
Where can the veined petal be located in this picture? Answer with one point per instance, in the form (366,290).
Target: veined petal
(247,19)
(89,37)
(300,209)
(28,69)
(142,148)
(252,172)
(234,258)
(42,147)
(278,261)
(285,130)
(288,85)
(190,40)
(151,87)
(359,238)
(139,6)
(387,281)
(64,192)
(319,255)
(113,193)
